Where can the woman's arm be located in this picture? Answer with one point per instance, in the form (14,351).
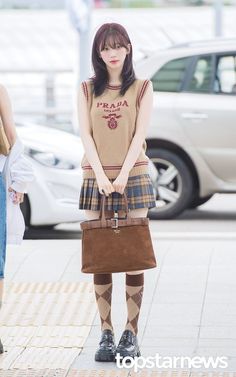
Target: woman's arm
(86,135)
(104,185)
(7,116)
(142,125)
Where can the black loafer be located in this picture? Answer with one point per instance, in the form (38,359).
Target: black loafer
(1,347)
(128,345)
(107,348)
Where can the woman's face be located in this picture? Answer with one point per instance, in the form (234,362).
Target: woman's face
(114,57)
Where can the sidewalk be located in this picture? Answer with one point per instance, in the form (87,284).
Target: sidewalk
(49,320)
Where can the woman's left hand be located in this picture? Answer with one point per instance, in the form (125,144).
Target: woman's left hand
(120,182)
(19,196)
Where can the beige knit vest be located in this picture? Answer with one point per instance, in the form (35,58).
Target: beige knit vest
(113,121)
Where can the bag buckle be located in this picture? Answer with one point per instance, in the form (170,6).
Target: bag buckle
(116,223)
(115,218)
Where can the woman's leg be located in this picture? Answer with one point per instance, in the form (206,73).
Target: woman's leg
(103,293)
(128,344)
(134,286)
(102,284)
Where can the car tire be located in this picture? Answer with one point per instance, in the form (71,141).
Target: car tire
(25,208)
(199,201)
(184,193)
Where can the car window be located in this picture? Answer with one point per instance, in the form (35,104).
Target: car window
(225,78)
(200,81)
(170,77)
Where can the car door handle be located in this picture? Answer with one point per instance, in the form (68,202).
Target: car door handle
(194,116)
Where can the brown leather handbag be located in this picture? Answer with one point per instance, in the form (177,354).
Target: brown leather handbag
(116,244)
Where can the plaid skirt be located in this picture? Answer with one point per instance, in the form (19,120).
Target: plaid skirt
(139,190)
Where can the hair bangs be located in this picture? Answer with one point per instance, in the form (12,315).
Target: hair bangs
(111,38)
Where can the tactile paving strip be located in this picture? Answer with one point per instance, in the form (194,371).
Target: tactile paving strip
(98,373)
(107,373)
(45,325)
(34,373)
(44,336)
(48,287)
(16,336)
(124,373)
(48,304)
(38,358)
(146,373)
(52,358)
(152,373)
(213,374)
(7,358)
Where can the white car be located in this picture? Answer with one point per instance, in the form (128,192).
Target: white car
(53,197)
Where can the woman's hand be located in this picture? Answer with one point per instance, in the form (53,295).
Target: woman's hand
(18,197)
(104,185)
(120,182)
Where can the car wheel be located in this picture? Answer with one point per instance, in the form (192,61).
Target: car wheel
(173,185)
(25,208)
(199,201)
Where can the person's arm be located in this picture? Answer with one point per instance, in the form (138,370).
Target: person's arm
(142,124)
(7,116)
(86,134)
(21,174)
(21,171)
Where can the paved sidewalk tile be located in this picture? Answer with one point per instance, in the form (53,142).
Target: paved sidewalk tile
(45,325)
(181,313)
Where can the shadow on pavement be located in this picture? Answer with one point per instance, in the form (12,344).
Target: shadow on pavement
(50,234)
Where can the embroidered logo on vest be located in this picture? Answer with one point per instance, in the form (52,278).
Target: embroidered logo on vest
(112,123)
(112,108)
(106,105)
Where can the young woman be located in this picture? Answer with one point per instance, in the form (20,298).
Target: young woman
(114,113)
(15,173)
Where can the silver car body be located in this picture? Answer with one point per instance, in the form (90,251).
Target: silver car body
(202,125)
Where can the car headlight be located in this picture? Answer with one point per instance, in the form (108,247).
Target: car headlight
(49,159)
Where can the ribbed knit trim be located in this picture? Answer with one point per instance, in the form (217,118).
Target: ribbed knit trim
(112,172)
(102,279)
(85,89)
(115,167)
(142,91)
(113,87)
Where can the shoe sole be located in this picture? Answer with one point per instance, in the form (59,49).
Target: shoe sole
(102,356)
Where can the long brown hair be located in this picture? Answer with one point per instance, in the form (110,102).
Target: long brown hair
(111,33)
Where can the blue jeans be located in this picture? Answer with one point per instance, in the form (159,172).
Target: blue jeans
(2,226)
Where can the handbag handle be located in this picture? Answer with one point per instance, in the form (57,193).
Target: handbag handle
(102,207)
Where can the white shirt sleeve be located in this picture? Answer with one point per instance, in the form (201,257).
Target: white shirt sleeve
(21,173)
